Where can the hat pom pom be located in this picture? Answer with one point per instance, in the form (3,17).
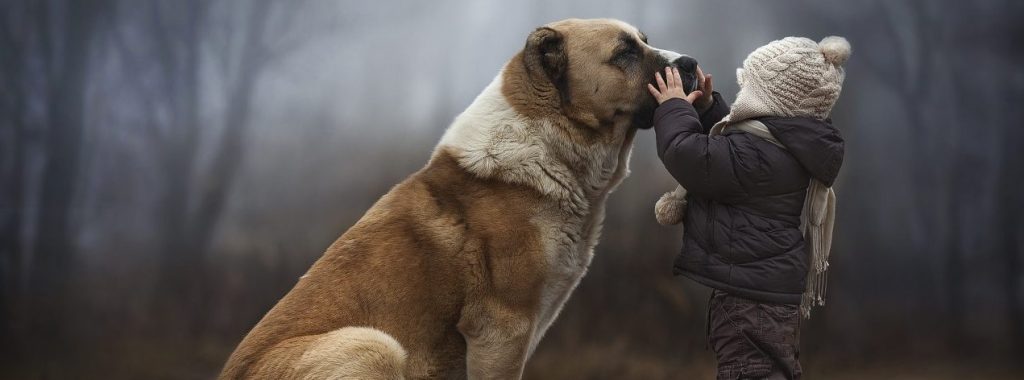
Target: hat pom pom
(835,49)
(671,207)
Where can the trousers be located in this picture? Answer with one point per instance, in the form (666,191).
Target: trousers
(753,340)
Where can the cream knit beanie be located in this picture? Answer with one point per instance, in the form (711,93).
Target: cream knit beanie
(793,76)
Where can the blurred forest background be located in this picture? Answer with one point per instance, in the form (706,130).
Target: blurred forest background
(168,169)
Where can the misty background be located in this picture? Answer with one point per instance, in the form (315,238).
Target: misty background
(168,169)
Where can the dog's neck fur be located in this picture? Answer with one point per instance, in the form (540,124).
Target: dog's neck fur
(493,139)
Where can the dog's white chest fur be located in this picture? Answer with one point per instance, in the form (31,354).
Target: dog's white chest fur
(569,244)
(493,140)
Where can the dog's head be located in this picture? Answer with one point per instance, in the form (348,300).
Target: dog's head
(599,70)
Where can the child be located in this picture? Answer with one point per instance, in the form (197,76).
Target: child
(758,201)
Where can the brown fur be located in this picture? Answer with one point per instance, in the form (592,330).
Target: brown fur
(458,266)
(436,242)
(602,95)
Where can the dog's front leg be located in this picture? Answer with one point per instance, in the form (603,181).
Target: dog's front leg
(497,340)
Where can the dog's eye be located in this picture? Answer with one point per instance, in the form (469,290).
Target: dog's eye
(625,56)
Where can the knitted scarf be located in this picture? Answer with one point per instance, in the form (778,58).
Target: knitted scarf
(816,219)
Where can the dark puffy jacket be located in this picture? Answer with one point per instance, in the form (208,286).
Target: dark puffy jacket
(742,223)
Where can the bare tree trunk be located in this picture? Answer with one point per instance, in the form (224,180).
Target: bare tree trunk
(954,268)
(231,151)
(1012,273)
(1009,217)
(178,47)
(10,231)
(13,174)
(54,248)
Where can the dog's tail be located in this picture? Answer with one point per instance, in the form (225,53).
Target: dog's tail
(346,353)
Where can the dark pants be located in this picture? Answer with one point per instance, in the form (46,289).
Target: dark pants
(754,340)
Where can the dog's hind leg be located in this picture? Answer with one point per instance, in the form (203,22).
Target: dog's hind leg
(353,353)
(348,353)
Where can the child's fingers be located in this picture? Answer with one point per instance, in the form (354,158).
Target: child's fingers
(677,79)
(708,84)
(693,96)
(661,82)
(653,91)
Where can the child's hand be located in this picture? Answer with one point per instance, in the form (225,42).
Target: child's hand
(704,102)
(673,88)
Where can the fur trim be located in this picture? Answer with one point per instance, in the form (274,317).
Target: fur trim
(671,208)
(835,49)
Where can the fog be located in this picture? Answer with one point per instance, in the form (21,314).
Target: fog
(168,169)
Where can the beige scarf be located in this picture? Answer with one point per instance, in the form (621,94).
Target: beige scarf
(816,220)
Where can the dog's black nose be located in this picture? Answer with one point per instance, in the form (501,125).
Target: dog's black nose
(688,69)
(686,64)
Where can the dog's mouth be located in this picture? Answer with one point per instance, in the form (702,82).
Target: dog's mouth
(643,118)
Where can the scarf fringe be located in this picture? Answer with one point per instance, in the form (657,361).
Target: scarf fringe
(816,223)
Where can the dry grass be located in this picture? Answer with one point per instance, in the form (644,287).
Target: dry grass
(617,362)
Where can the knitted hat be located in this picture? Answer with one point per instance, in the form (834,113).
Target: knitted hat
(793,76)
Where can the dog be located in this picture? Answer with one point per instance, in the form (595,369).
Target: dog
(459,270)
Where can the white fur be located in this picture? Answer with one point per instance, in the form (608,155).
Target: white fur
(671,207)
(492,140)
(667,54)
(835,49)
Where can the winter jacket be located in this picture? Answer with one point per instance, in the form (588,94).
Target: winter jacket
(745,196)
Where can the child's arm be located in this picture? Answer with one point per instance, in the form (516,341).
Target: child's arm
(718,109)
(701,164)
(710,104)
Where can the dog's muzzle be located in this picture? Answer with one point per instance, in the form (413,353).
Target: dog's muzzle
(688,70)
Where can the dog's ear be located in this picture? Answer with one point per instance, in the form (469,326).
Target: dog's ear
(546,59)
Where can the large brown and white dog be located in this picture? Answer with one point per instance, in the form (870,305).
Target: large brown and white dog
(460,269)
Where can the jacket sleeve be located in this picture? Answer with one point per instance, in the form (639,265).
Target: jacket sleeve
(701,164)
(719,108)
